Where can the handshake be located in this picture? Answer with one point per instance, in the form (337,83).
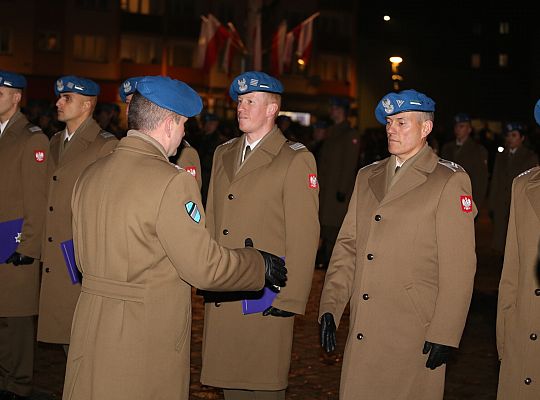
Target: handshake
(275,272)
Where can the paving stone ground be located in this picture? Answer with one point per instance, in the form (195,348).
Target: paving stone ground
(471,373)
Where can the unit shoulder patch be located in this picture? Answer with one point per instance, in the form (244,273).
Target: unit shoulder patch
(451,165)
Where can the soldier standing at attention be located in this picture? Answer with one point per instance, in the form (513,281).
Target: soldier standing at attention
(404,260)
(337,166)
(24,153)
(188,157)
(473,157)
(132,327)
(263,187)
(515,159)
(518,308)
(72,150)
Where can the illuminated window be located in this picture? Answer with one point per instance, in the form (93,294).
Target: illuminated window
(154,7)
(90,48)
(504,28)
(48,41)
(140,49)
(5,41)
(503,60)
(475,61)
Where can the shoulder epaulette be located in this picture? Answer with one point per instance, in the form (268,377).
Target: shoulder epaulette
(177,167)
(229,141)
(296,146)
(186,143)
(106,135)
(34,128)
(526,172)
(451,165)
(369,165)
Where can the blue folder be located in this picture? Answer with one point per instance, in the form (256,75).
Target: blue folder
(68,250)
(259,304)
(10,237)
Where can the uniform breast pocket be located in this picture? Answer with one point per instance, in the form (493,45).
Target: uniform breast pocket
(417,304)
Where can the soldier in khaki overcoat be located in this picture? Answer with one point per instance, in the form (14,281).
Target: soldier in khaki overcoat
(405,261)
(268,192)
(72,150)
(337,166)
(515,159)
(131,331)
(188,158)
(518,308)
(24,152)
(472,156)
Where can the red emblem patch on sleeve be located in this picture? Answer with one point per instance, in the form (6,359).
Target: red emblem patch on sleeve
(39,156)
(313,182)
(466,203)
(192,170)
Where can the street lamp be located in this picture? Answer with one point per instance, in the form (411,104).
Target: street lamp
(396,77)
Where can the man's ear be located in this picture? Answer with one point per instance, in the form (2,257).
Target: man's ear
(271,109)
(427,126)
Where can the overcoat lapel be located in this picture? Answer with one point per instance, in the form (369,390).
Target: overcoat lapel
(377,181)
(533,193)
(86,134)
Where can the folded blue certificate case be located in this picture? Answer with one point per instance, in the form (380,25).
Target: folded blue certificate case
(69,257)
(10,237)
(252,306)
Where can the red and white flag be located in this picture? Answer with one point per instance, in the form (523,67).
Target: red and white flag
(288,50)
(305,39)
(278,49)
(211,38)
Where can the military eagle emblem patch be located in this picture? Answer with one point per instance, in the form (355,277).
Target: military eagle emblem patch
(39,156)
(192,170)
(466,204)
(193,211)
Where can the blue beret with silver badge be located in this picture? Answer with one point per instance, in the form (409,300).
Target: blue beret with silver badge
(537,112)
(514,126)
(128,87)
(254,81)
(171,94)
(406,100)
(12,80)
(76,84)
(461,117)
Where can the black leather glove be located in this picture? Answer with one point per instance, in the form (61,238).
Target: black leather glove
(340,196)
(438,354)
(275,272)
(328,332)
(276,312)
(19,259)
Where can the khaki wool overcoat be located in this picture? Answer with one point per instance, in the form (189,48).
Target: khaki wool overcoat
(507,167)
(58,295)
(190,161)
(140,242)
(337,167)
(271,198)
(518,309)
(24,153)
(473,158)
(405,261)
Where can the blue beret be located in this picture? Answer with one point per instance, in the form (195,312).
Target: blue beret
(254,81)
(128,87)
(12,80)
(340,102)
(75,84)
(514,126)
(537,112)
(461,117)
(406,100)
(171,94)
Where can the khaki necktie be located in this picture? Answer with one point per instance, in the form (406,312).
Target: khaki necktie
(246,152)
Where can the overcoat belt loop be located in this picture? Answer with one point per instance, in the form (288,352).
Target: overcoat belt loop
(113,289)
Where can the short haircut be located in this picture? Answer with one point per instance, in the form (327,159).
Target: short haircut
(274,98)
(145,116)
(427,116)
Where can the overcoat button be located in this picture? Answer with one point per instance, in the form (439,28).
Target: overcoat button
(533,336)
(49,239)
(217,304)
(527,381)
(51,208)
(537,292)
(54,178)
(365,296)
(230,196)
(370,257)
(359,336)
(47,270)
(225,231)
(378,217)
